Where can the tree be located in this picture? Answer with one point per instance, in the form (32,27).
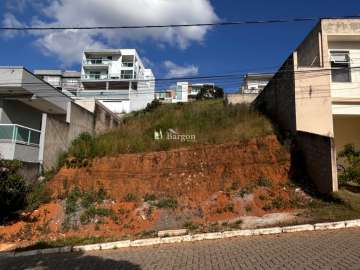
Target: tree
(13,188)
(210,92)
(351,170)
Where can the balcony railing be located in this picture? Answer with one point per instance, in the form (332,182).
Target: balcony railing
(127,64)
(97,61)
(19,134)
(108,77)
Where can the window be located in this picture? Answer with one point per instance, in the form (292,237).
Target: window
(134,86)
(340,66)
(95,75)
(127,74)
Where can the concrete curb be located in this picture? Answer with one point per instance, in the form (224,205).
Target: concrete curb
(188,238)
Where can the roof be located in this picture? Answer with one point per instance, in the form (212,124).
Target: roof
(48,72)
(58,72)
(266,76)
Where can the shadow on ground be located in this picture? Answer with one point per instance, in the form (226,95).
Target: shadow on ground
(69,261)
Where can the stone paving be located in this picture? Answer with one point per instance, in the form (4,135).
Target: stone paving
(338,249)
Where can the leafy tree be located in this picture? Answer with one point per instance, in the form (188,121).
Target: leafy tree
(210,92)
(351,169)
(13,188)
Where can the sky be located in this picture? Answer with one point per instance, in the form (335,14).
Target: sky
(185,52)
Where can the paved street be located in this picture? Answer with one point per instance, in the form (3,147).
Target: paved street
(314,250)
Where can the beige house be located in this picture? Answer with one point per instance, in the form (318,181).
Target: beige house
(315,97)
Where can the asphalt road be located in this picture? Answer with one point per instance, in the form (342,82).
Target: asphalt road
(312,250)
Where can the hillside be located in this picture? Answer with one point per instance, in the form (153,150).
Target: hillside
(127,184)
(209,122)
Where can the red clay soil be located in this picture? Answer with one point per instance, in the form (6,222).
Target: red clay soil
(190,174)
(206,182)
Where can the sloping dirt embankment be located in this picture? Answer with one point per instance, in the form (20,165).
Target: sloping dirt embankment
(191,175)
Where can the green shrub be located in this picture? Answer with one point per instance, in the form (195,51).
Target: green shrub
(101,194)
(71,204)
(87,199)
(13,188)
(89,214)
(38,195)
(263,197)
(122,211)
(190,226)
(149,197)
(264,182)
(229,208)
(167,202)
(351,170)
(278,203)
(130,197)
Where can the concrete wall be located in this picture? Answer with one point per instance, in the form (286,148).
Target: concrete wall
(277,100)
(309,51)
(240,98)
(59,134)
(313,101)
(26,153)
(16,112)
(298,100)
(319,157)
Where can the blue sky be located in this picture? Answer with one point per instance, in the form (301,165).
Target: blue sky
(219,50)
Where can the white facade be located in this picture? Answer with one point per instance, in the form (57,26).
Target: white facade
(255,83)
(345,83)
(68,81)
(117,78)
(186,91)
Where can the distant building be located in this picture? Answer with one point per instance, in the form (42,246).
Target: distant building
(254,83)
(187,91)
(167,96)
(67,80)
(115,77)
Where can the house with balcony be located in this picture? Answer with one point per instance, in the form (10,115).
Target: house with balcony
(38,121)
(167,96)
(187,91)
(253,84)
(315,97)
(117,78)
(67,81)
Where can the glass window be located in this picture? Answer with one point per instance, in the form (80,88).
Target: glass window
(126,74)
(340,66)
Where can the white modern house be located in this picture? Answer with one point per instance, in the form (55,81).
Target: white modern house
(254,83)
(167,96)
(68,81)
(187,91)
(117,78)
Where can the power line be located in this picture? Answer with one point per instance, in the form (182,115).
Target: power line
(224,23)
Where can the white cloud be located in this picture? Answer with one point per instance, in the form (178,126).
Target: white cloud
(16,5)
(177,71)
(10,20)
(67,45)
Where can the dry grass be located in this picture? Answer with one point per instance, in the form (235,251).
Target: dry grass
(212,122)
